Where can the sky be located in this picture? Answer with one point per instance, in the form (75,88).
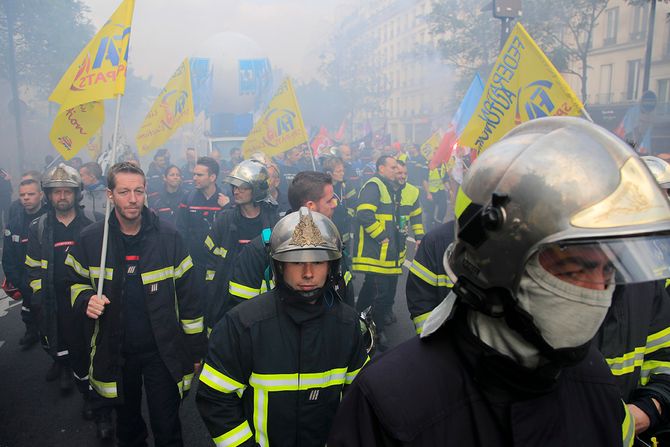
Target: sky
(292,33)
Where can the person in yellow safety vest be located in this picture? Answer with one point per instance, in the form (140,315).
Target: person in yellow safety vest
(384,214)
(436,199)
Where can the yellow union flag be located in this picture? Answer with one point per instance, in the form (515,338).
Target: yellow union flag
(430,146)
(280,128)
(99,71)
(73,128)
(523,85)
(172,109)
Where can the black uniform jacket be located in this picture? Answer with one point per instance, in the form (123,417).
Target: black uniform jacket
(174,310)
(448,390)
(276,369)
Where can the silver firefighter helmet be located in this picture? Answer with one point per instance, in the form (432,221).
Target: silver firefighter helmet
(554,183)
(305,236)
(62,176)
(251,174)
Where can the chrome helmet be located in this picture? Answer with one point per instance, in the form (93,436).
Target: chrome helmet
(305,236)
(62,176)
(260,156)
(251,174)
(549,184)
(660,169)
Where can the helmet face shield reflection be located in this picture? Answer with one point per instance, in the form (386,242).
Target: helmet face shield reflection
(596,264)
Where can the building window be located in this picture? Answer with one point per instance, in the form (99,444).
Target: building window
(605,93)
(632,86)
(640,16)
(663,91)
(612,26)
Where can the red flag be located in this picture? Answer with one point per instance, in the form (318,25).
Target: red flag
(320,141)
(444,150)
(339,136)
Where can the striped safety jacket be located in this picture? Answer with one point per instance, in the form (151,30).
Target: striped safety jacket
(174,310)
(383,213)
(276,370)
(635,340)
(428,283)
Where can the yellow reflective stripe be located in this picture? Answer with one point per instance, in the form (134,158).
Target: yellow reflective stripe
(418,228)
(351,375)
(157,275)
(185,384)
(105,389)
(667,282)
(423,272)
(350,194)
(462,202)
(658,340)
(627,427)
(220,382)
(366,206)
(242,291)
(627,362)
(76,289)
(419,322)
(220,251)
(193,326)
(183,267)
(373,226)
(347,277)
(261,417)
(298,381)
(234,437)
(377,231)
(650,367)
(209,243)
(30,262)
(95,273)
(76,266)
(370,267)
(209,276)
(444,281)
(36,285)
(384,217)
(416,212)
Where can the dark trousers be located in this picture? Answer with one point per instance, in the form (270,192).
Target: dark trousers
(378,291)
(436,210)
(163,400)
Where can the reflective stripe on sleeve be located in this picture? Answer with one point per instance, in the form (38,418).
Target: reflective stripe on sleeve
(30,262)
(36,285)
(105,389)
(627,428)
(651,367)
(658,340)
(191,327)
(351,375)
(242,291)
(76,266)
(419,321)
(183,267)
(76,289)
(366,206)
(209,243)
(627,362)
(234,437)
(95,273)
(220,382)
(423,273)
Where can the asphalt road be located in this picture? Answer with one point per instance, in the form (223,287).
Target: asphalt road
(33,411)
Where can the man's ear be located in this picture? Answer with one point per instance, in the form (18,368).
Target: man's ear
(109,193)
(310,204)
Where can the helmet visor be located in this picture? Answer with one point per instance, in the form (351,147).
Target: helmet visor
(598,263)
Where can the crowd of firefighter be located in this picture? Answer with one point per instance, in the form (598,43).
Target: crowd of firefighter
(238,275)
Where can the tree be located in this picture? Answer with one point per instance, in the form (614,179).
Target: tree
(47,35)
(469,36)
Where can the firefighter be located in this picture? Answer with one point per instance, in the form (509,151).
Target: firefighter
(508,355)
(277,365)
(383,218)
(148,325)
(166,203)
(234,229)
(436,198)
(252,274)
(346,204)
(14,253)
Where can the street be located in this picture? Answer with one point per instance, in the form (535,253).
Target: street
(33,412)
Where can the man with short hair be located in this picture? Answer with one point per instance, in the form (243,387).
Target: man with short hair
(252,274)
(148,321)
(14,253)
(198,212)
(277,365)
(187,169)
(156,171)
(94,196)
(379,241)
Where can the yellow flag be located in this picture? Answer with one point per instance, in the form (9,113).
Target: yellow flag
(523,85)
(73,128)
(430,146)
(172,109)
(280,128)
(99,71)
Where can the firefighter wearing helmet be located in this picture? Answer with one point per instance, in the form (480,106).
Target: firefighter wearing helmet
(549,220)
(51,236)
(277,364)
(235,228)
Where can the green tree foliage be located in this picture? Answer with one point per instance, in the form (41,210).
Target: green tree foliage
(48,35)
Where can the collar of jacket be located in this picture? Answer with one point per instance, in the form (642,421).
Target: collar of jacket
(389,184)
(149,221)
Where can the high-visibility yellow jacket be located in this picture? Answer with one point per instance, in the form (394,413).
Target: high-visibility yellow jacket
(384,217)
(436,178)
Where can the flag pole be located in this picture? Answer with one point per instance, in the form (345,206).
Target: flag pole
(105,233)
(311,154)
